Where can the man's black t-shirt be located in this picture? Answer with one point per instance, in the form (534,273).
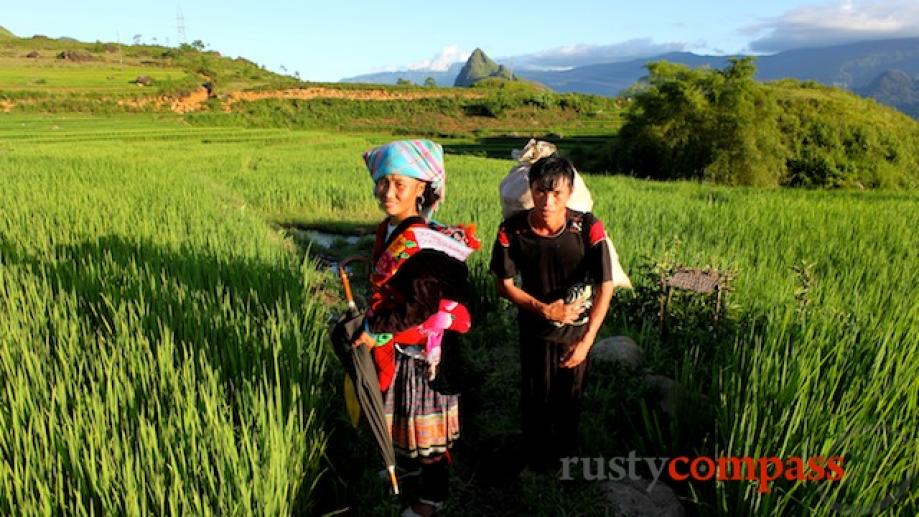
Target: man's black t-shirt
(548,266)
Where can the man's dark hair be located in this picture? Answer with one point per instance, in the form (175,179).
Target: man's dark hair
(547,172)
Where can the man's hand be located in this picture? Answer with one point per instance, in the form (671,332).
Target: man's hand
(577,352)
(562,313)
(364,339)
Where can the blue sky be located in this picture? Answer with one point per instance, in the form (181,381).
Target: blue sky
(329,40)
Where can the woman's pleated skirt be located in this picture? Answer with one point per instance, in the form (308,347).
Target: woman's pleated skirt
(423,423)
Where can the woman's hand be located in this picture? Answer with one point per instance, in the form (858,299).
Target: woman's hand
(562,313)
(364,339)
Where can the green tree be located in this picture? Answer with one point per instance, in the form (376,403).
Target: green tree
(403,82)
(430,82)
(745,140)
(717,125)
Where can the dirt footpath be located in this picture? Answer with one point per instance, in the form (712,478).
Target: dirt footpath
(335,93)
(185,104)
(196,99)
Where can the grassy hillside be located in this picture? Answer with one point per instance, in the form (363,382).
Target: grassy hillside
(39,67)
(98,78)
(835,138)
(492,115)
(49,75)
(516,86)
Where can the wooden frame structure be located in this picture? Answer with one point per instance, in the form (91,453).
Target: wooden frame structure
(702,281)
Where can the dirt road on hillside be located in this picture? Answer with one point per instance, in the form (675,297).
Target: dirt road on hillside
(196,100)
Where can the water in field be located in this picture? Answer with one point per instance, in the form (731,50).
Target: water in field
(329,247)
(327,240)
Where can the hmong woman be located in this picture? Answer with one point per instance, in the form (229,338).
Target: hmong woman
(420,286)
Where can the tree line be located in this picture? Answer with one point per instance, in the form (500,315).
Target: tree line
(725,127)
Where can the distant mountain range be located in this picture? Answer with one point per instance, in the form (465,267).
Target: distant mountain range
(895,88)
(887,70)
(442,77)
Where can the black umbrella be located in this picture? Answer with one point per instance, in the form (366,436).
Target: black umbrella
(359,366)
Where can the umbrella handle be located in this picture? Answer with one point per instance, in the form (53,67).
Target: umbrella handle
(346,285)
(393,479)
(346,282)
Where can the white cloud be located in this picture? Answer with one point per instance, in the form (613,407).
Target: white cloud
(554,59)
(442,60)
(836,23)
(569,56)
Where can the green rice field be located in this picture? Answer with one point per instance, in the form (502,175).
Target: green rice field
(51,76)
(163,343)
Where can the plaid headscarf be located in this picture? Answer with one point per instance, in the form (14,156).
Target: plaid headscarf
(419,159)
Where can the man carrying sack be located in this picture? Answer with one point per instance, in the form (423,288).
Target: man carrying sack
(516,197)
(563,262)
